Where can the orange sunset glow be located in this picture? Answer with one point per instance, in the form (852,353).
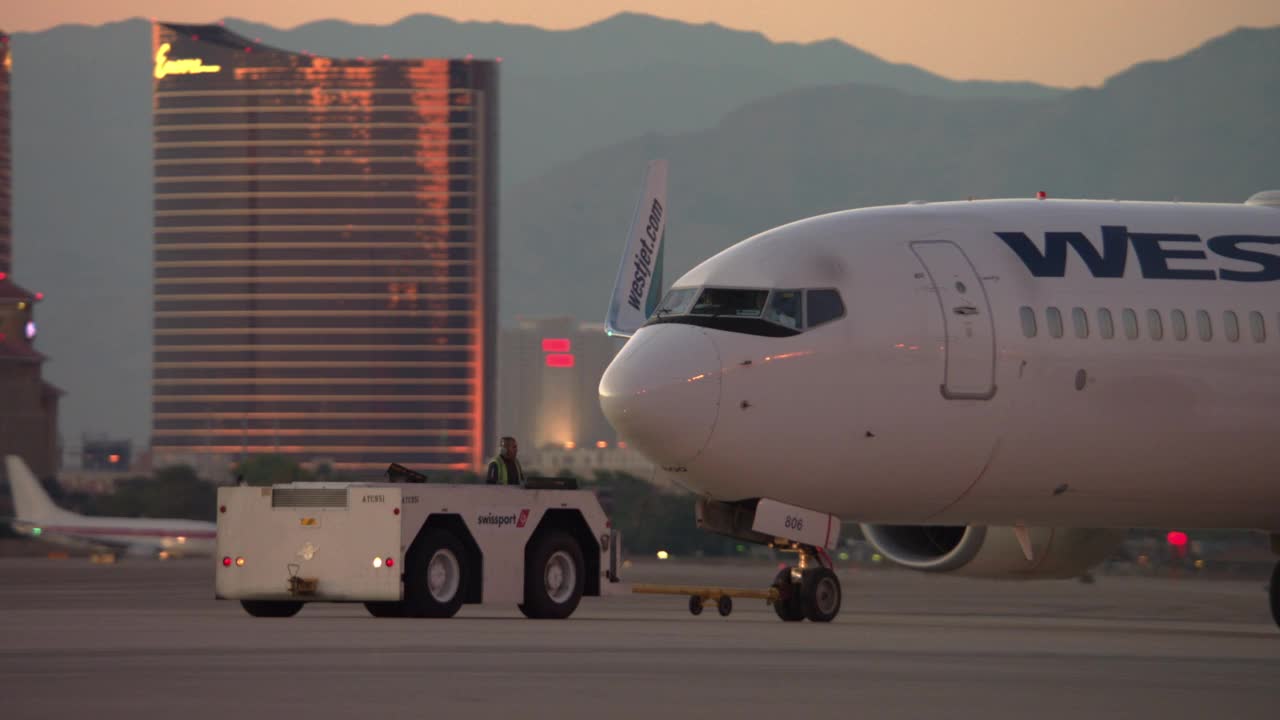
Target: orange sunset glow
(1065,44)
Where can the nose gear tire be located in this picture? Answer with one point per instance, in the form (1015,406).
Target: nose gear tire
(787,606)
(820,594)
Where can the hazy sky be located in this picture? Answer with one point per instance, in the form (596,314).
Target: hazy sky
(1078,42)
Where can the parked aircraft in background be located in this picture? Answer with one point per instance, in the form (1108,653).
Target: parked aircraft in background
(38,516)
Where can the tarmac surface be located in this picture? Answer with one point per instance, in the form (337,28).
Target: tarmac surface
(145,639)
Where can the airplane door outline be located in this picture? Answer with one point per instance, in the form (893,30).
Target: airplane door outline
(969,365)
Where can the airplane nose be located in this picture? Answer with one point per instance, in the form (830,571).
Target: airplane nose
(662,392)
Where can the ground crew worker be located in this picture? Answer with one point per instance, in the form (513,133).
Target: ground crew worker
(504,468)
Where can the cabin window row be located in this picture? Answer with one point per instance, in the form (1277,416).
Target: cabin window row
(1150,323)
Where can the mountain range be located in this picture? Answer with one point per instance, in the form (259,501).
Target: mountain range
(1200,127)
(757,133)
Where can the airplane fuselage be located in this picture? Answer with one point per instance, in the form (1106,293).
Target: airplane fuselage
(1054,363)
(177,538)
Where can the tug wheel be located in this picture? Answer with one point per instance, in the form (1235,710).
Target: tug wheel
(695,605)
(724,605)
(271,608)
(1275,594)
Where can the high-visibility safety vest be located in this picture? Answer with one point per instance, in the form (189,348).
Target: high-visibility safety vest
(503,478)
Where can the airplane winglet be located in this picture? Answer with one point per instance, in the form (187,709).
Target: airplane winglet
(638,287)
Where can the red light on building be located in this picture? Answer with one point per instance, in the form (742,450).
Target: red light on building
(560,360)
(39,296)
(4,276)
(113,458)
(556,345)
(1176,538)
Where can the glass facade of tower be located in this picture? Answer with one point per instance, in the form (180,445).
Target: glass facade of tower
(325,255)
(6,165)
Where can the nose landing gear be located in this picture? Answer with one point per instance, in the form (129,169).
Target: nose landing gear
(809,590)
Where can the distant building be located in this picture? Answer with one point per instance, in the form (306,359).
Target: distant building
(549,370)
(91,482)
(6,161)
(28,404)
(325,256)
(106,455)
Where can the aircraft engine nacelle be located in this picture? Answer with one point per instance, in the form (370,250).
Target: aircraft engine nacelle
(993,552)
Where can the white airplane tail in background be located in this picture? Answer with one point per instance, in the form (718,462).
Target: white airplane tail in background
(30,501)
(638,288)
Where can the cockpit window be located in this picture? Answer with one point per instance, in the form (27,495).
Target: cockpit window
(677,302)
(734,303)
(769,313)
(824,306)
(786,308)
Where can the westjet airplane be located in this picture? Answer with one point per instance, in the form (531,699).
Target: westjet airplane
(38,516)
(991,388)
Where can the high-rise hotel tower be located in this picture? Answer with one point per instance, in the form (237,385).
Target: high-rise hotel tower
(6,192)
(325,255)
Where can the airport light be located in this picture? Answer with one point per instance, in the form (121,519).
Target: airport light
(560,360)
(1176,538)
(662,555)
(239,562)
(602,444)
(391,562)
(36,532)
(556,345)
(377,562)
(226,562)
